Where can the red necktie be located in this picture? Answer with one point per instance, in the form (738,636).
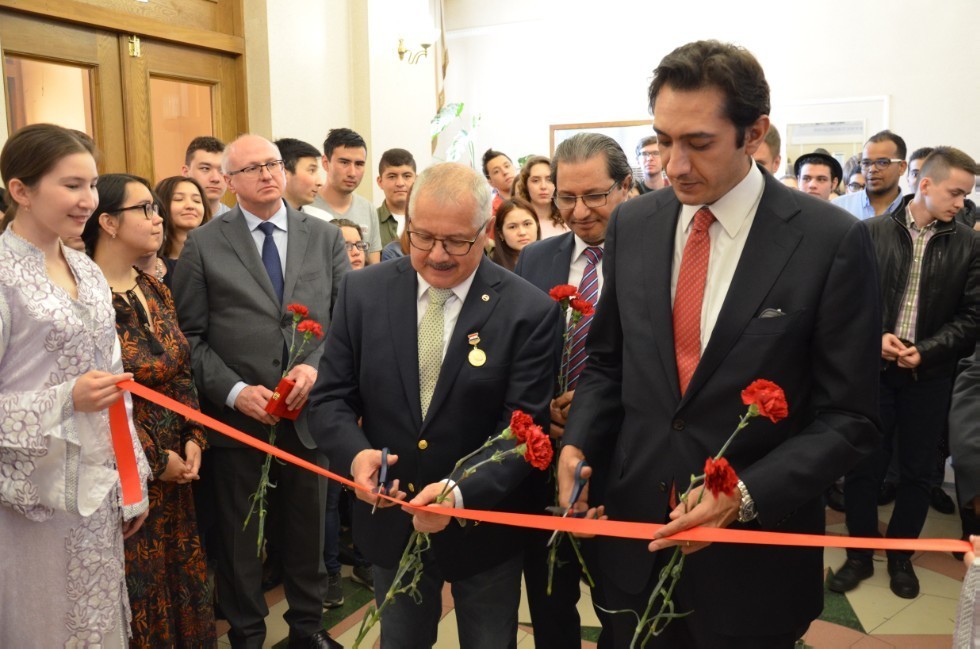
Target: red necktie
(690,296)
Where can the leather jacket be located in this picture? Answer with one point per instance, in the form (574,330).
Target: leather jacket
(949,289)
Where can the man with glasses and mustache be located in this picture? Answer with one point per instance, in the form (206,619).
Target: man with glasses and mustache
(592,177)
(237,275)
(433,352)
(883,165)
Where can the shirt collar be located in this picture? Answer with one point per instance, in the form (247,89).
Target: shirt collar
(460,290)
(910,221)
(278,219)
(732,209)
(581,245)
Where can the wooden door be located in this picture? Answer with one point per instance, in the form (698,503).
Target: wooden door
(32,40)
(156,87)
(121,74)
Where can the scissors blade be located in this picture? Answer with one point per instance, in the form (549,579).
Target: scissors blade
(580,483)
(382,487)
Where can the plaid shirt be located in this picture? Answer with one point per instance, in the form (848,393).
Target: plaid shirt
(908,312)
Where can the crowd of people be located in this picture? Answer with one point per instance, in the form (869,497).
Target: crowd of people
(861,301)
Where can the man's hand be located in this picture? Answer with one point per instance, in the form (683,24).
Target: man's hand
(559,413)
(133,525)
(567,463)
(252,401)
(428,521)
(891,347)
(710,512)
(304,376)
(910,358)
(365,469)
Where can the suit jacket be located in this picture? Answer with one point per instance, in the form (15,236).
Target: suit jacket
(229,312)
(375,321)
(814,262)
(545,263)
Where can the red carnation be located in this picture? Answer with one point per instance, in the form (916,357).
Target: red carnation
(584,307)
(310,328)
(538,452)
(767,398)
(719,477)
(298,310)
(521,425)
(563,292)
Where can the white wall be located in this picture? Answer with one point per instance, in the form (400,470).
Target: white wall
(310,67)
(523,66)
(334,63)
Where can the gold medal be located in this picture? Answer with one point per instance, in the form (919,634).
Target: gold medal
(476,357)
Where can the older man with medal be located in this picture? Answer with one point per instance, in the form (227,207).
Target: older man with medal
(482,347)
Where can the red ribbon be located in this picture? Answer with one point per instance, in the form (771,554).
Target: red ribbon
(622,529)
(122,444)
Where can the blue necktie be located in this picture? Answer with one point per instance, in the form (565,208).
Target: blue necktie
(271,259)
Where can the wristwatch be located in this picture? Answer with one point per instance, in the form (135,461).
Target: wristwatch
(746,511)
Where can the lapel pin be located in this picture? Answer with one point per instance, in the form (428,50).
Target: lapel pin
(477,357)
(485,297)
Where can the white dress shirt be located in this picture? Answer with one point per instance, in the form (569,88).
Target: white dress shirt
(450,314)
(280,236)
(579,262)
(734,213)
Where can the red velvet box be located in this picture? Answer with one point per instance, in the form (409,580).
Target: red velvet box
(277,403)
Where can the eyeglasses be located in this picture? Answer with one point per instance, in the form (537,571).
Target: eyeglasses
(149,210)
(455,247)
(855,187)
(589,200)
(256,170)
(360,245)
(643,155)
(880,163)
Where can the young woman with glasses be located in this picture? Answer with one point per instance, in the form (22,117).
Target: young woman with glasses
(165,564)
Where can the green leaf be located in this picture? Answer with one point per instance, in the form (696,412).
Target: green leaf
(444,118)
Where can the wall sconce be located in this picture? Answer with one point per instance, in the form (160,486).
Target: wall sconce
(413,57)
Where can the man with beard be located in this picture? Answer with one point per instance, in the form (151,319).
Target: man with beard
(883,165)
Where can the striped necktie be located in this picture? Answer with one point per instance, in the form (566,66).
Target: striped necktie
(587,290)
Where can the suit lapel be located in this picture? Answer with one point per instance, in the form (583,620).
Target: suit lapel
(562,260)
(769,246)
(660,230)
(299,238)
(402,307)
(471,319)
(236,232)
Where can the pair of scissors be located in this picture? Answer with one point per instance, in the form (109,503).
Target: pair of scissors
(580,483)
(382,488)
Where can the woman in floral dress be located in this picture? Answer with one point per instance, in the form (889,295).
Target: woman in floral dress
(62,520)
(165,565)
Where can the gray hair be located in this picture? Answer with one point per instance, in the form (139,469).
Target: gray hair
(585,146)
(451,182)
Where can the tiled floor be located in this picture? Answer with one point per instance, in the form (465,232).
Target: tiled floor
(870,617)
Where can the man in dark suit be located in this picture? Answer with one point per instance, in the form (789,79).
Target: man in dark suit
(433,353)
(722,279)
(235,277)
(592,177)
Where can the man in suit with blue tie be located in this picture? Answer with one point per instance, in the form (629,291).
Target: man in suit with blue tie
(432,353)
(592,177)
(235,278)
(725,277)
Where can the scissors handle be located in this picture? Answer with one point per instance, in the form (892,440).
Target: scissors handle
(382,487)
